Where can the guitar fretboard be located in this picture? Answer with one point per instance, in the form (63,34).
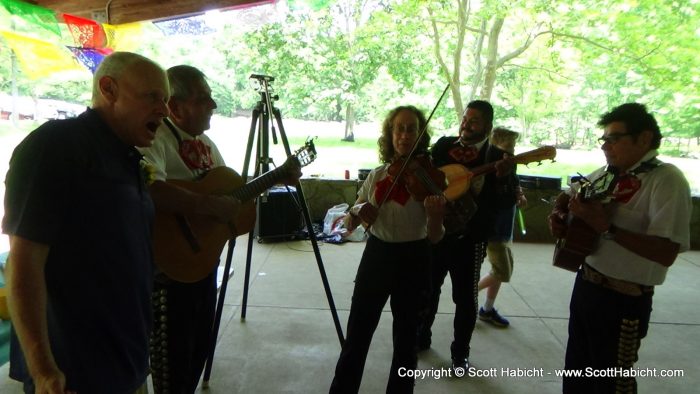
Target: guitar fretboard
(259,184)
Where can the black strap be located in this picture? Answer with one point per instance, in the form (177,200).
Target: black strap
(646,166)
(182,221)
(171,126)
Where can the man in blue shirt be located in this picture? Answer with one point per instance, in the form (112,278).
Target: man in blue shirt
(79,218)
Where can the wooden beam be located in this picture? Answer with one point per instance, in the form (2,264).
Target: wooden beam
(124,11)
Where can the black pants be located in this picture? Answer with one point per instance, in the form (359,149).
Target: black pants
(399,270)
(183,320)
(605,331)
(462,258)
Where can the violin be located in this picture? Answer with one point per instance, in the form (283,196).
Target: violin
(420,177)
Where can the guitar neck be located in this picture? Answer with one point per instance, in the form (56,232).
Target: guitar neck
(259,184)
(483,169)
(522,158)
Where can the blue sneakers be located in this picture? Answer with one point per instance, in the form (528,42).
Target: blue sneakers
(493,317)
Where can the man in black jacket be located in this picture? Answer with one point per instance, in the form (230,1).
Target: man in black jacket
(468,225)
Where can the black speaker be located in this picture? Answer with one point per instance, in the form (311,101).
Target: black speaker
(540,182)
(278,215)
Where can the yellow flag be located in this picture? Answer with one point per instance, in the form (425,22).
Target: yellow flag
(126,37)
(38,58)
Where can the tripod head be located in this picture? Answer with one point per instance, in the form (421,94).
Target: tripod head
(262,84)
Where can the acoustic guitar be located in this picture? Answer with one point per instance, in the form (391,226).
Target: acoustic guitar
(459,177)
(570,252)
(187,248)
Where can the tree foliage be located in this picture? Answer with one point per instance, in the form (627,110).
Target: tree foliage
(550,67)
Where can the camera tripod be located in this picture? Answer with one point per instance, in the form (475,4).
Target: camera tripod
(262,118)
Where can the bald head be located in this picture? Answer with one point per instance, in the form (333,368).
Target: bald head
(114,66)
(130,93)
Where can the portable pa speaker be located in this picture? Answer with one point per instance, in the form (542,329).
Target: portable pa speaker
(278,215)
(540,182)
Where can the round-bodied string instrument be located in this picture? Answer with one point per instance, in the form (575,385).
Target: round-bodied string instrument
(459,177)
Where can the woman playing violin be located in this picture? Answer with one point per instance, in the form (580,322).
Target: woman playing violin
(396,258)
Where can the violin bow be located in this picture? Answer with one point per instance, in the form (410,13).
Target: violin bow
(413,149)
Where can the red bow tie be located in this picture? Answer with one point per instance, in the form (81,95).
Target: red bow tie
(196,155)
(463,154)
(398,193)
(627,186)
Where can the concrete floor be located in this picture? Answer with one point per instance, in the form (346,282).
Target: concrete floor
(288,342)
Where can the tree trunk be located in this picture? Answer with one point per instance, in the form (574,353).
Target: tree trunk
(349,124)
(491,60)
(478,67)
(14,116)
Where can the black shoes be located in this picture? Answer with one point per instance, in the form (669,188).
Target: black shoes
(422,344)
(460,366)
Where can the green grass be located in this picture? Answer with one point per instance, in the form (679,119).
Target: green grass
(336,142)
(563,170)
(23,126)
(567,163)
(363,154)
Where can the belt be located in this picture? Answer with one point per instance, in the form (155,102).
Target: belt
(618,285)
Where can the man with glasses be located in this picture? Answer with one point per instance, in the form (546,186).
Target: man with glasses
(643,223)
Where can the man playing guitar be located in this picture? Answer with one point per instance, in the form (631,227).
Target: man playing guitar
(640,231)
(184,312)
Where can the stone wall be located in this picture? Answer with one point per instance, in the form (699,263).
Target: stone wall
(540,205)
(321,194)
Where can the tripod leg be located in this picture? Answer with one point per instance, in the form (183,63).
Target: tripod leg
(321,269)
(251,138)
(246,165)
(246,280)
(312,235)
(219,311)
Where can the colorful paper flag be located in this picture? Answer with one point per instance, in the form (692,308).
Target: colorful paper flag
(90,57)
(126,37)
(33,14)
(40,58)
(86,33)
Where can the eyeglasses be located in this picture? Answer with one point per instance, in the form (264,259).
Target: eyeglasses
(406,128)
(612,138)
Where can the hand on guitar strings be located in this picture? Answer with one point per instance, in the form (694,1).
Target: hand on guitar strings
(557,219)
(505,166)
(293,176)
(222,208)
(592,212)
(292,168)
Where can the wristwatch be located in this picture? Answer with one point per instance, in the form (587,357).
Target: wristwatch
(609,234)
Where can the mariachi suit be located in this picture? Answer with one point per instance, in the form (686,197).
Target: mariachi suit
(461,252)
(183,312)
